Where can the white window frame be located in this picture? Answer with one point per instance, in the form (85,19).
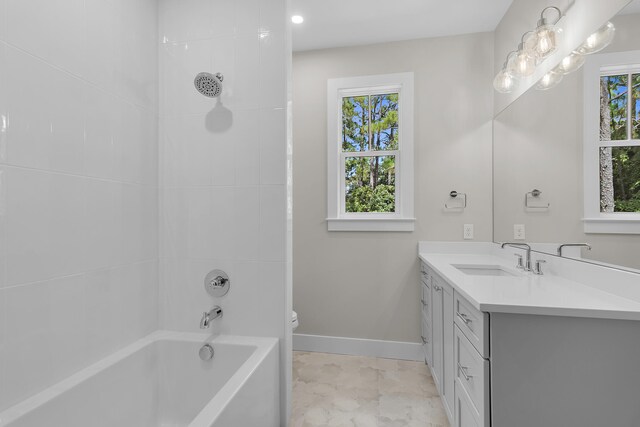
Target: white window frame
(595,67)
(402,219)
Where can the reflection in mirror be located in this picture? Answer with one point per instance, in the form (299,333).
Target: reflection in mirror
(567,159)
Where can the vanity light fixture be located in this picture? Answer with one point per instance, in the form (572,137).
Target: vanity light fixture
(598,40)
(546,34)
(535,47)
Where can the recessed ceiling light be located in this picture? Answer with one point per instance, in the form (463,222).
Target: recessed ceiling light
(297,19)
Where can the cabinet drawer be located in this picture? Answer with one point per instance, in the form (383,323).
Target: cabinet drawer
(472,376)
(463,416)
(473,323)
(427,340)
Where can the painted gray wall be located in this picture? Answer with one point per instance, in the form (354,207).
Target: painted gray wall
(365,284)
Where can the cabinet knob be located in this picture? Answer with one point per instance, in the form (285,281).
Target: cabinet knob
(437,288)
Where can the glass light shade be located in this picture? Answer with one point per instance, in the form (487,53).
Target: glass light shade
(522,64)
(598,40)
(549,80)
(570,64)
(505,82)
(546,40)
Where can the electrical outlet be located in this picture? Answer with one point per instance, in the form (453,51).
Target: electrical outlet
(468,232)
(518,232)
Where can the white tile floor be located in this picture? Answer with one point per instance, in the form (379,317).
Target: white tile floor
(351,391)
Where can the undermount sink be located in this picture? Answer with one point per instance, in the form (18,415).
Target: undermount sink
(483,270)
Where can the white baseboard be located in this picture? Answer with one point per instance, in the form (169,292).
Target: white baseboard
(358,347)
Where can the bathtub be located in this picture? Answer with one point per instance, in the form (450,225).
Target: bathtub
(160,381)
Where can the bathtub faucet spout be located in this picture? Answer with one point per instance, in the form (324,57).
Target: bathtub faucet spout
(207,317)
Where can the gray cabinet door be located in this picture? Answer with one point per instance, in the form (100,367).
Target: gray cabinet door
(448,360)
(437,367)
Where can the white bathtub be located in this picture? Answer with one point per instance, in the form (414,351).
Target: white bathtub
(161,381)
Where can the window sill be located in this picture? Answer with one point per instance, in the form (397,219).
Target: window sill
(630,224)
(371,224)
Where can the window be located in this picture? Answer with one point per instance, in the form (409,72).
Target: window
(612,143)
(370,153)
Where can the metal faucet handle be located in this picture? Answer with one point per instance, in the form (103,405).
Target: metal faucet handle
(520,264)
(217,283)
(538,267)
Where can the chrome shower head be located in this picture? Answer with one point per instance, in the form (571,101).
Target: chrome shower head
(208,84)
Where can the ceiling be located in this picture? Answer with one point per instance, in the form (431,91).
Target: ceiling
(334,23)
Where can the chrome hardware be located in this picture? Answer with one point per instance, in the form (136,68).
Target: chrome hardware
(578,245)
(424,303)
(527,265)
(217,283)
(206,352)
(207,317)
(424,340)
(538,267)
(437,288)
(535,194)
(454,194)
(463,371)
(463,317)
(519,265)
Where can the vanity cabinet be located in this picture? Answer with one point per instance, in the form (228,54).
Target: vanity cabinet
(531,351)
(457,350)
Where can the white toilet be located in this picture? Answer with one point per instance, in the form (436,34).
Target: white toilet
(294,320)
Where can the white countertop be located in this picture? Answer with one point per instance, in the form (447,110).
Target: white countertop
(527,293)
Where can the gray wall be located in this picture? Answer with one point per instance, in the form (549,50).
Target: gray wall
(365,285)
(538,144)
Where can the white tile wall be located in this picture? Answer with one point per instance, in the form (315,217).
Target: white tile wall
(49,29)
(78,185)
(223,166)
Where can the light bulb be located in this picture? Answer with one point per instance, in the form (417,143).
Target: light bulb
(504,82)
(598,40)
(549,80)
(523,64)
(570,63)
(297,19)
(546,35)
(546,41)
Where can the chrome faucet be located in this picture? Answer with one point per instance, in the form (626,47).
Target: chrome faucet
(527,264)
(578,245)
(207,317)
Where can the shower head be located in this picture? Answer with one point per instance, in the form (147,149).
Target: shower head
(209,84)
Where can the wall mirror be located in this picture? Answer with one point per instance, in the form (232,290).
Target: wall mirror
(567,159)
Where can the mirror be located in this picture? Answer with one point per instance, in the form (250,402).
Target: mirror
(540,178)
